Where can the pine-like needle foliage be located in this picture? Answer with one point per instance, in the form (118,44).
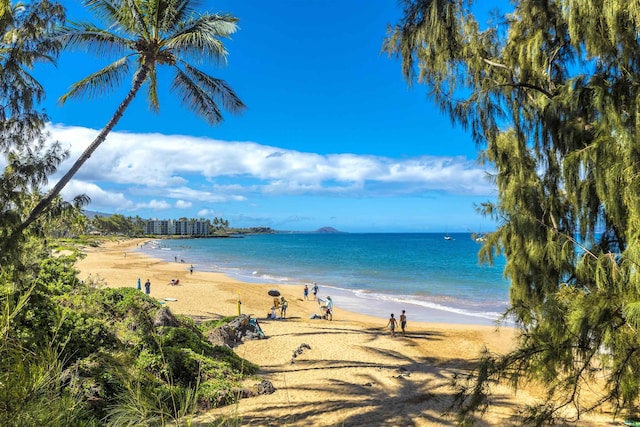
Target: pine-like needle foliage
(550,92)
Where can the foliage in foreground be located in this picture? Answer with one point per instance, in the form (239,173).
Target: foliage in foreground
(550,91)
(74,354)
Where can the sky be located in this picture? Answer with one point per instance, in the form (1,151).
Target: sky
(333,136)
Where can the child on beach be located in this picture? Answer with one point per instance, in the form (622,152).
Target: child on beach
(315,291)
(306,293)
(392,325)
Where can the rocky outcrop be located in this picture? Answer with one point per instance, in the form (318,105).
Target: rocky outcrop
(234,332)
(164,317)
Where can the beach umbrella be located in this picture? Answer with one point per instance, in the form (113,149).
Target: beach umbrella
(274,293)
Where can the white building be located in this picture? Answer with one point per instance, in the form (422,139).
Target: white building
(173,227)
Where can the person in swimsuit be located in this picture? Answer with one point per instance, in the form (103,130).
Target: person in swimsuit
(392,325)
(403,322)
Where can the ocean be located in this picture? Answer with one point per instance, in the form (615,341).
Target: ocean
(432,278)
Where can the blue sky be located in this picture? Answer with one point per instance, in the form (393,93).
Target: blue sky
(333,135)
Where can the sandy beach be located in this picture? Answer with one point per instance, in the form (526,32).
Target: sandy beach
(353,374)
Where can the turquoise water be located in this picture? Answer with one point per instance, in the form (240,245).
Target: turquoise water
(432,278)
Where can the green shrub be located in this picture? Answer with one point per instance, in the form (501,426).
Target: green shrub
(184,337)
(235,362)
(212,324)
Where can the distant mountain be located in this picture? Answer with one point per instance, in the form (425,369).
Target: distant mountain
(92,214)
(327,230)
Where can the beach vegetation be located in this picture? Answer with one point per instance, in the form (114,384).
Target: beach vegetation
(549,92)
(208,325)
(71,352)
(102,347)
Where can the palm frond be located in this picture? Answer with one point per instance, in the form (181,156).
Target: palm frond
(134,17)
(202,93)
(6,15)
(199,39)
(196,98)
(105,10)
(168,18)
(152,92)
(123,16)
(100,82)
(87,37)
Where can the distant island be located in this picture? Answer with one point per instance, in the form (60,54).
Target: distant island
(327,230)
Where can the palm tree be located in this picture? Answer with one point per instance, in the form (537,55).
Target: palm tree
(153,33)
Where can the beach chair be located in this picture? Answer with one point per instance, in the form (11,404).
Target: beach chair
(174,282)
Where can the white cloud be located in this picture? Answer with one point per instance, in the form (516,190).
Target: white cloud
(155,205)
(101,200)
(192,171)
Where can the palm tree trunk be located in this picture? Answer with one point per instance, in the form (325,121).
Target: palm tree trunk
(42,205)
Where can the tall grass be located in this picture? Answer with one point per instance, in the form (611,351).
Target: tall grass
(32,382)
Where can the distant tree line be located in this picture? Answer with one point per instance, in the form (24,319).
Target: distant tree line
(135,226)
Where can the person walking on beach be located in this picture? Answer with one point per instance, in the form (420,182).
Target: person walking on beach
(392,325)
(147,287)
(403,322)
(283,308)
(315,291)
(306,293)
(191,269)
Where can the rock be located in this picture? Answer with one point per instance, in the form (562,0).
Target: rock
(164,317)
(265,387)
(232,334)
(298,351)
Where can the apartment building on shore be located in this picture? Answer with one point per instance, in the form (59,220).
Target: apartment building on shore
(176,227)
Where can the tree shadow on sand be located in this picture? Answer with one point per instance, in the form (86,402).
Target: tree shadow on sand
(400,390)
(397,391)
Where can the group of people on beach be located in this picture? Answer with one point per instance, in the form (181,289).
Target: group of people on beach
(326,308)
(326,305)
(278,304)
(314,290)
(393,323)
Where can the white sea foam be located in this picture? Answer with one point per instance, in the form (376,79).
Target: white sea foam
(375,279)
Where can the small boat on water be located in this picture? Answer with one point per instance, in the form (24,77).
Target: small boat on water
(447,237)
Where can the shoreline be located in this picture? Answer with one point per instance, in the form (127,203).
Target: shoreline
(360,301)
(354,372)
